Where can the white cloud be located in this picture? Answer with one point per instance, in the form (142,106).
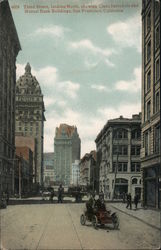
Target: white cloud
(48,77)
(127,33)
(100,87)
(87,44)
(110,64)
(20,69)
(90,64)
(48,101)
(126,110)
(54,31)
(69,87)
(133,85)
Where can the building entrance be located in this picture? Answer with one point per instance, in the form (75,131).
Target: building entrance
(121,186)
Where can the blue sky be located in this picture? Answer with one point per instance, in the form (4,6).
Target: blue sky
(88,64)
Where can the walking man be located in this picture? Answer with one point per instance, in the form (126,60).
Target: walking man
(60,194)
(136,200)
(129,202)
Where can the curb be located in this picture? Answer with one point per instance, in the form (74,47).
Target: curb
(135,217)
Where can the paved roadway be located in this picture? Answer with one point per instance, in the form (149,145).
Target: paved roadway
(57,226)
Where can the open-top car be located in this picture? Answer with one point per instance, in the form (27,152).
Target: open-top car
(99,215)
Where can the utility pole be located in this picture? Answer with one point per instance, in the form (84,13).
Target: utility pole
(20,167)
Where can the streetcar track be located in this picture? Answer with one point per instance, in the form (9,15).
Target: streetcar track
(75,229)
(44,230)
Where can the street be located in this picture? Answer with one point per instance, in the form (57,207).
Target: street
(57,226)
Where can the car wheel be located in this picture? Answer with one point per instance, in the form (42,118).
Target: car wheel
(83,219)
(94,222)
(115,222)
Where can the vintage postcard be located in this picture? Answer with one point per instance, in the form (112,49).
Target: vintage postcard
(80,144)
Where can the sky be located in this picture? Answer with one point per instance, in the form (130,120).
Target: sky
(88,64)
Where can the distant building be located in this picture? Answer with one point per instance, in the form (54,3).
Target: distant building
(31,143)
(151,103)
(75,173)
(88,171)
(49,172)
(67,150)
(30,115)
(118,149)
(23,170)
(9,48)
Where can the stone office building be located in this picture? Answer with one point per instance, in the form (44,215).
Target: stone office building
(49,172)
(66,150)
(30,115)
(9,48)
(118,157)
(151,112)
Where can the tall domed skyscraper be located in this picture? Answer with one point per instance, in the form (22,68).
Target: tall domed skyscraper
(30,116)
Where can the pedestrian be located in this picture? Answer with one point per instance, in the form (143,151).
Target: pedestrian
(136,200)
(123,197)
(129,202)
(52,195)
(60,194)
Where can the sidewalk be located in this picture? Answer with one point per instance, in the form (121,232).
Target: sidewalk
(147,216)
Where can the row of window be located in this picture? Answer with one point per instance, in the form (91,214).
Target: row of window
(148,76)
(148,17)
(123,134)
(148,106)
(123,150)
(123,167)
(156,142)
(22,98)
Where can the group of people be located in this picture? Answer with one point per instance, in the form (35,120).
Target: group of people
(129,200)
(60,194)
(95,203)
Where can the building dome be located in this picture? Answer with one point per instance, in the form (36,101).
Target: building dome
(27,83)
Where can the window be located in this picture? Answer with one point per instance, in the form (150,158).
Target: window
(122,166)
(120,150)
(134,181)
(135,166)
(149,51)
(136,134)
(135,150)
(149,21)
(157,37)
(148,110)
(157,102)
(157,70)
(121,134)
(157,8)
(147,142)
(149,80)
(157,139)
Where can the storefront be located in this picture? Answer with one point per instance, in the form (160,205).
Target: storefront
(151,186)
(121,186)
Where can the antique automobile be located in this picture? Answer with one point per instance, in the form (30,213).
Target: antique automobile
(76,192)
(99,215)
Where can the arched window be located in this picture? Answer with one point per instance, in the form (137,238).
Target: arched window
(134,181)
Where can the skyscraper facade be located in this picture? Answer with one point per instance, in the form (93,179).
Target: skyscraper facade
(30,115)
(66,150)
(9,48)
(151,68)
